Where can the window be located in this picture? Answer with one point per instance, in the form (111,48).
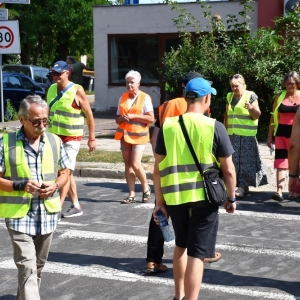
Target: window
(139,53)
(15,82)
(27,83)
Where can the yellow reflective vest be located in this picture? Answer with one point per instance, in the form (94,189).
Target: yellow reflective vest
(239,121)
(180,179)
(64,119)
(17,203)
(276,113)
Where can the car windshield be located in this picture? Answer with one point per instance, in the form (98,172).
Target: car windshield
(17,69)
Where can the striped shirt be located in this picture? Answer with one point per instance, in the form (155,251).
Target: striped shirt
(37,221)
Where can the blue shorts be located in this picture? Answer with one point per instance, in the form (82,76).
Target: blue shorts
(195,228)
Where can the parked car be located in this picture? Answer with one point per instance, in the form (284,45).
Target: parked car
(36,73)
(16,87)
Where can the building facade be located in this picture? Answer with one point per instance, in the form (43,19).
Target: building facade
(136,37)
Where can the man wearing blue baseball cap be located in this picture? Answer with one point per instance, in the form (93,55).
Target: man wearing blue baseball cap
(69,106)
(179,187)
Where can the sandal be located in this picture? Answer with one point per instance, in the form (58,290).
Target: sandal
(239,193)
(146,195)
(291,197)
(246,190)
(128,200)
(278,197)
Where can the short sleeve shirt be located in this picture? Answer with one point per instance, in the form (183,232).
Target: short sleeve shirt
(221,144)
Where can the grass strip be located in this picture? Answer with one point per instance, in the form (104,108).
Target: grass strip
(105,156)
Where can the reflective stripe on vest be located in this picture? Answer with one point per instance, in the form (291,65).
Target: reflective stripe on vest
(134,132)
(239,121)
(16,204)
(171,108)
(64,119)
(276,113)
(180,179)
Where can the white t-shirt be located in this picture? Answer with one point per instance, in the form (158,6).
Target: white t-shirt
(146,108)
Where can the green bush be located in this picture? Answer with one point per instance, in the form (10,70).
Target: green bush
(10,113)
(262,57)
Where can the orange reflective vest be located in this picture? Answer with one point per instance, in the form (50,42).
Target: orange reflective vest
(173,108)
(134,132)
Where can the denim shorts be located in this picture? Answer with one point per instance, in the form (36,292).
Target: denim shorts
(195,228)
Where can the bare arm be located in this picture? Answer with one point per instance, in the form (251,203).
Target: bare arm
(159,198)
(225,122)
(253,109)
(86,108)
(154,138)
(271,127)
(294,156)
(228,171)
(61,180)
(147,118)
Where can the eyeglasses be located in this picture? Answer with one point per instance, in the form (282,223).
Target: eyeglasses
(290,83)
(37,122)
(234,86)
(56,73)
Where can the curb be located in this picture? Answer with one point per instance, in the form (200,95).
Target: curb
(104,173)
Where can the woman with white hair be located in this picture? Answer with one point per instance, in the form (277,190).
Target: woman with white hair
(134,115)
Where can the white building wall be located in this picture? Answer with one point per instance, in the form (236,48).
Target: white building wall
(137,19)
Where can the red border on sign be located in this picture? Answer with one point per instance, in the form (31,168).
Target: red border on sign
(12,37)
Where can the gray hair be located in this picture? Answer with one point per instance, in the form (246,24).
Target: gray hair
(134,74)
(291,75)
(26,103)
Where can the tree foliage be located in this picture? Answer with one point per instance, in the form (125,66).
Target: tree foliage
(220,50)
(52,30)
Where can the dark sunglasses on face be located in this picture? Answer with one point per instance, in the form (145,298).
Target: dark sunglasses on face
(37,122)
(56,73)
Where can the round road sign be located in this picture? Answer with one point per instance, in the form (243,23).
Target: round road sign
(6,37)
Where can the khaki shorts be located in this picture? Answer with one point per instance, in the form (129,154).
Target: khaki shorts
(72,148)
(131,147)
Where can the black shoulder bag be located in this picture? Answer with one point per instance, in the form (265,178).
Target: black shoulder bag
(214,186)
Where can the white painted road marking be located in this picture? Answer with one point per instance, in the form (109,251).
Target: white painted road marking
(141,240)
(253,214)
(114,274)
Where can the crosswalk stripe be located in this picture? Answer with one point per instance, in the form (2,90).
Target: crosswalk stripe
(253,214)
(114,274)
(135,239)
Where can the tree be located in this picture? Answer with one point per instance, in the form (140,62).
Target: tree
(52,30)
(262,57)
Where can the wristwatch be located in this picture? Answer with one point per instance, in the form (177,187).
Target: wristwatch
(231,200)
(293,176)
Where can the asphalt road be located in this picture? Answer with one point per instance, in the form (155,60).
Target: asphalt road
(101,255)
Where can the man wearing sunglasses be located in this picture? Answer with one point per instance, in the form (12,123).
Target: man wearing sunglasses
(69,105)
(34,166)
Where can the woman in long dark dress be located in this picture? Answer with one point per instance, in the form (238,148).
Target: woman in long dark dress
(243,111)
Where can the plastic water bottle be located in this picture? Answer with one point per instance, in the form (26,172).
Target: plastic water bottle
(165,228)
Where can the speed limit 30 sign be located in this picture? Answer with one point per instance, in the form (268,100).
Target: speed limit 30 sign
(9,37)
